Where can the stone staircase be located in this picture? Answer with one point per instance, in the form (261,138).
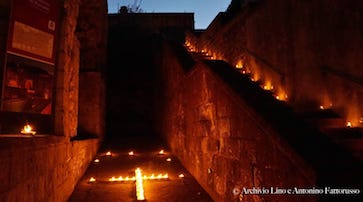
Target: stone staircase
(326,120)
(334,126)
(320,136)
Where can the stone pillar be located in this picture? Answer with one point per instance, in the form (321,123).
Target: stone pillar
(91,104)
(67,70)
(92,33)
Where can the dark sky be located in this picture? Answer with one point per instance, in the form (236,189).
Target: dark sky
(205,10)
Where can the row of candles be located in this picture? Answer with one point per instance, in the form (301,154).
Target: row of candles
(281,95)
(138,178)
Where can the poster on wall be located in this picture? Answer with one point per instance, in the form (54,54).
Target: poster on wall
(29,73)
(33,29)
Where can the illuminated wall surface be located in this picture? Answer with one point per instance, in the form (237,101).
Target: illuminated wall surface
(311,57)
(298,68)
(40,79)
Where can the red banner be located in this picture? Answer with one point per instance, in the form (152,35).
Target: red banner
(33,29)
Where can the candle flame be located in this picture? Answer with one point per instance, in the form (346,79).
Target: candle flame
(131,153)
(282,97)
(239,65)
(96,160)
(168,159)
(161,152)
(349,124)
(27,130)
(139,185)
(145,177)
(268,87)
(112,179)
(181,176)
(92,179)
(108,153)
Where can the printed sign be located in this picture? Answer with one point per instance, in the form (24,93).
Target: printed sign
(33,29)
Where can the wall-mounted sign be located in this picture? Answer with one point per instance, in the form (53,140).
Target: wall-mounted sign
(33,29)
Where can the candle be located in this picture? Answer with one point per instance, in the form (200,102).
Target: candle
(92,179)
(27,130)
(139,185)
(161,152)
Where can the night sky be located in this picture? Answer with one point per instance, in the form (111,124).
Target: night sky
(204,10)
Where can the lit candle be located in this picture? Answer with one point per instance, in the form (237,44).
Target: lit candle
(168,159)
(96,160)
(349,124)
(139,185)
(108,153)
(92,179)
(131,153)
(161,152)
(181,176)
(112,179)
(27,130)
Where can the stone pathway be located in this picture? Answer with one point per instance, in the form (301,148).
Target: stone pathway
(121,163)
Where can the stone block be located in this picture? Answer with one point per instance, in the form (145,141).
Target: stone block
(5,173)
(224,127)
(231,147)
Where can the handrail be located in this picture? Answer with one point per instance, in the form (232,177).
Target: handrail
(343,75)
(265,62)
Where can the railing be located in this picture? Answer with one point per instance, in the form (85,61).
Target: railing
(343,75)
(265,62)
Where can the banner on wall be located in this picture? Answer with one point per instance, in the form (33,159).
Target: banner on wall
(33,29)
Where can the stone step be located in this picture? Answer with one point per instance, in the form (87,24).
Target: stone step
(350,139)
(323,119)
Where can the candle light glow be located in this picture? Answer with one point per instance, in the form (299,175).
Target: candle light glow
(145,177)
(92,179)
(27,130)
(139,185)
(349,124)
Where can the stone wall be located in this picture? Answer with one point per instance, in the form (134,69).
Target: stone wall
(67,73)
(42,168)
(81,62)
(92,35)
(46,167)
(222,141)
(310,51)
